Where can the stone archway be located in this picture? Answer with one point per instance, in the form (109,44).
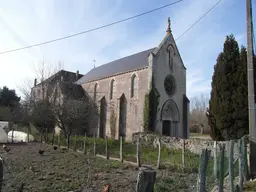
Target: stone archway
(122,116)
(170,117)
(103,117)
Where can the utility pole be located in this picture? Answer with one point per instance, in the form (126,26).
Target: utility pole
(251,97)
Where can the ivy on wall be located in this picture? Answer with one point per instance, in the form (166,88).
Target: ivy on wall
(146,116)
(113,119)
(151,102)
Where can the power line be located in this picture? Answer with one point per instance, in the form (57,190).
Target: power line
(90,30)
(198,20)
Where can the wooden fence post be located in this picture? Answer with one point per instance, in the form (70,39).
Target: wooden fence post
(28,134)
(107,154)
(245,160)
(138,152)
(145,180)
(89,178)
(231,165)
(94,145)
(215,165)
(1,173)
(59,137)
(85,143)
(75,143)
(241,166)
(201,183)
(12,133)
(46,140)
(121,149)
(183,154)
(53,134)
(221,167)
(159,153)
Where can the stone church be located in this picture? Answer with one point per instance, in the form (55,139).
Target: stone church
(120,87)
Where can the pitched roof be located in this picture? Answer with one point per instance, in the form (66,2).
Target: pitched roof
(68,76)
(126,64)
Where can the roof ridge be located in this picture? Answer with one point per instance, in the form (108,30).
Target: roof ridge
(124,57)
(134,61)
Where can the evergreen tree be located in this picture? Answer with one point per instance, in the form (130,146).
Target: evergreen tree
(8,98)
(224,91)
(240,98)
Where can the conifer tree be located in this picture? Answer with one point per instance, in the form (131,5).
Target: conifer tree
(224,91)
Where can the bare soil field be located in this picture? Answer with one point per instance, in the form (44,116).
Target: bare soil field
(63,171)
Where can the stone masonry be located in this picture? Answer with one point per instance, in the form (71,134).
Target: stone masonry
(193,145)
(134,117)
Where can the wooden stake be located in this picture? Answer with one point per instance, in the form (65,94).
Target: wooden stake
(59,139)
(85,143)
(75,143)
(159,154)
(28,134)
(1,173)
(107,154)
(241,166)
(146,180)
(201,183)
(121,149)
(94,145)
(138,152)
(215,165)
(231,166)
(221,167)
(183,155)
(245,160)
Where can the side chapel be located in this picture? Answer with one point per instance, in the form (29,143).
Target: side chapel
(120,87)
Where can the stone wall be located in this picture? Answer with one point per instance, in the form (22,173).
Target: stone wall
(194,145)
(134,105)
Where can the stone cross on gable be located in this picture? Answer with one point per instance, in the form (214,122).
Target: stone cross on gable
(169,26)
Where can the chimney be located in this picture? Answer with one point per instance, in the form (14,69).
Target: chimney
(77,75)
(61,78)
(35,82)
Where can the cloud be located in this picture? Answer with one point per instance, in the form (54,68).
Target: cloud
(37,21)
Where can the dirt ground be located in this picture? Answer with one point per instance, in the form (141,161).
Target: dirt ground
(63,171)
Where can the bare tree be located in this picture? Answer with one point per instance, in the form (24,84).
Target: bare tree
(72,109)
(75,116)
(42,72)
(198,107)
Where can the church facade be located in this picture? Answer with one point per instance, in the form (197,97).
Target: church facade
(120,88)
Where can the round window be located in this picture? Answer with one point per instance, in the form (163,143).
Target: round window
(170,85)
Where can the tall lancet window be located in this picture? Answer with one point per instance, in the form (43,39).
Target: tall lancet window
(112,89)
(95,92)
(134,86)
(170,51)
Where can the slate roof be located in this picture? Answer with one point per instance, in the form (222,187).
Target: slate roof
(68,76)
(126,64)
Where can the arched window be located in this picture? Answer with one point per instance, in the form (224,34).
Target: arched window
(134,85)
(95,91)
(112,89)
(171,54)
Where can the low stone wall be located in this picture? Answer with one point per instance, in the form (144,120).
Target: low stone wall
(194,145)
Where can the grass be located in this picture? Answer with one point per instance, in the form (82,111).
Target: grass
(170,158)
(149,155)
(250,186)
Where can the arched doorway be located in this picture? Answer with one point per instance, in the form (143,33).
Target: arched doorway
(122,116)
(103,117)
(170,118)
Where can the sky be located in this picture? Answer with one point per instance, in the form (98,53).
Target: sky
(23,23)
